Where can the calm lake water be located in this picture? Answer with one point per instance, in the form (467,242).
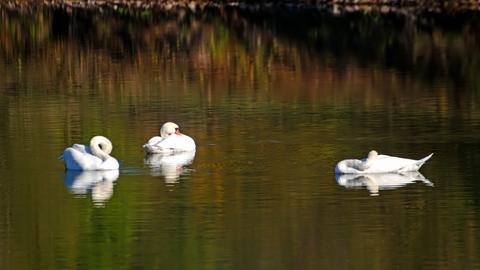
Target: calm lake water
(273,102)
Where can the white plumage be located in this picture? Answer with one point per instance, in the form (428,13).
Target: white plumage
(375,163)
(170,140)
(95,157)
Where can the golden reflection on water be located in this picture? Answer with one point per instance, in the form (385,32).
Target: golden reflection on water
(271,113)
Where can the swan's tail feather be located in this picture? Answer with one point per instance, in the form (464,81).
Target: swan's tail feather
(423,160)
(416,165)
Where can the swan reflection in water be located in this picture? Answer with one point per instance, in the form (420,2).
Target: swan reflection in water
(381,181)
(169,165)
(100,183)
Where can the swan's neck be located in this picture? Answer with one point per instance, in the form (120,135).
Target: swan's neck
(97,151)
(365,165)
(372,156)
(101,147)
(368,162)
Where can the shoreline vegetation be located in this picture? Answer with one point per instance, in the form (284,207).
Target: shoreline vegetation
(217,47)
(407,7)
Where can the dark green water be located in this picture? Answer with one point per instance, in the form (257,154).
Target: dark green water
(273,103)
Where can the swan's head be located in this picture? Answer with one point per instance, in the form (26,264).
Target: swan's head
(101,146)
(168,129)
(372,154)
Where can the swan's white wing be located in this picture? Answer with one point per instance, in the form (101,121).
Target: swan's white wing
(389,164)
(109,164)
(183,143)
(152,145)
(172,143)
(78,147)
(79,160)
(155,140)
(416,164)
(382,164)
(81,148)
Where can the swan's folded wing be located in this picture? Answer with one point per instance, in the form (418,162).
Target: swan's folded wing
(171,143)
(78,160)
(388,164)
(109,164)
(76,147)
(416,164)
(81,148)
(153,145)
(155,140)
(155,149)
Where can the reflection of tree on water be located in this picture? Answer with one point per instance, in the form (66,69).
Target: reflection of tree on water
(381,181)
(169,165)
(99,183)
(238,40)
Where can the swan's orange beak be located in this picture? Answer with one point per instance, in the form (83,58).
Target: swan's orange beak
(177,131)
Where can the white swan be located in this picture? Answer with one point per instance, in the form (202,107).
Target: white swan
(170,140)
(376,163)
(169,165)
(95,157)
(381,181)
